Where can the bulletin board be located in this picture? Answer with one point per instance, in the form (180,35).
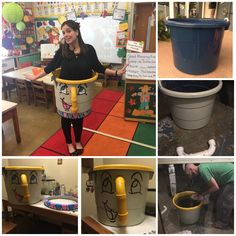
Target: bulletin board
(48,30)
(140,100)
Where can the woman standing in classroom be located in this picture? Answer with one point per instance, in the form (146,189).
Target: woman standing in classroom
(77,61)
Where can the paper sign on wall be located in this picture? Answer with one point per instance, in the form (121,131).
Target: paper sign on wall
(141,66)
(135,46)
(123,26)
(121,38)
(48,50)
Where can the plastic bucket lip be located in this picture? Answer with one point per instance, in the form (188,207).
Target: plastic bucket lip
(183,194)
(197,23)
(176,94)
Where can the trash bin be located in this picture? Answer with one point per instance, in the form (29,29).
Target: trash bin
(196,43)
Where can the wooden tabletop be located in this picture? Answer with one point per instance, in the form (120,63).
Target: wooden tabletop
(20,74)
(7,106)
(167,69)
(40,209)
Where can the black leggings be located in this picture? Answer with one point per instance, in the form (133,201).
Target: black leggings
(66,127)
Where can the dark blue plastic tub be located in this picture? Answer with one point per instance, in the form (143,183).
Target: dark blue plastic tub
(196,43)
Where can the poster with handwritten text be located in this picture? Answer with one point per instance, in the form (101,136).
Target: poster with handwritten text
(141,66)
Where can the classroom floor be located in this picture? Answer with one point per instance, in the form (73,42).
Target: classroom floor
(37,124)
(42,135)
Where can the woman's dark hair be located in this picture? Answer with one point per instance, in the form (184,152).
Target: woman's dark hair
(66,52)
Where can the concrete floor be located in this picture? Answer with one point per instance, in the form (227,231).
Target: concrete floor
(37,124)
(171,219)
(220,128)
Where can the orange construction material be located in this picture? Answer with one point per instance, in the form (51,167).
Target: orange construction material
(37,71)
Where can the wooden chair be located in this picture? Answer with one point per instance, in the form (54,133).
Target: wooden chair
(10,84)
(23,90)
(39,92)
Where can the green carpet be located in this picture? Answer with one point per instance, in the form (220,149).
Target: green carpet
(145,133)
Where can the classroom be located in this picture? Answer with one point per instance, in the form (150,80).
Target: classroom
(113,105)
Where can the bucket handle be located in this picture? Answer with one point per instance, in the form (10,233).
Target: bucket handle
(25,186)
(227,20)
(74,107)
(121,201)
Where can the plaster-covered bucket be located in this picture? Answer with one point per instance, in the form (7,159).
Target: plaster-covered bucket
(120,192)
(73,97)
(188,215)
(191,102)
(23,184)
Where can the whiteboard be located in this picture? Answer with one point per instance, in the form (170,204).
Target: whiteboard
(101,33)
(141,66)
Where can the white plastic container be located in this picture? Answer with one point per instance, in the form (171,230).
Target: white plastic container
(191,102)
(188,215)
(73,97)
(23,184)
(120,192)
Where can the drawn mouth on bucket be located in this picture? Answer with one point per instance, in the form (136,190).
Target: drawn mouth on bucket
(18,196)
(65,105)
(111,214)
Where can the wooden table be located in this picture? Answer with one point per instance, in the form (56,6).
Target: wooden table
(167,69)
(20,74)
(40,210)
(90,225)
(9,111)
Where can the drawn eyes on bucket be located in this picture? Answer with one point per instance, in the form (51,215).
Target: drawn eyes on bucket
(81,89)
(33,177)
(136,186)
(15,179)
(64,89)
(107,183)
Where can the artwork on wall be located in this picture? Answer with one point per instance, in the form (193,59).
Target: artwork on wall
(140,100)
(48,31)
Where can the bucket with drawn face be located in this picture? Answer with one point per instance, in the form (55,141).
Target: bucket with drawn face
(73,97)
(23,184)
(120,192)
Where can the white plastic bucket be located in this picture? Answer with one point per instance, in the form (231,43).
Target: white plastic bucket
(73,97)
(120,192)
(23,184)
(191,102)
(188,215)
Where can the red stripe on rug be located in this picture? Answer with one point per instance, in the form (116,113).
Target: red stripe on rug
(44,152)
(109,95)
(102,106)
